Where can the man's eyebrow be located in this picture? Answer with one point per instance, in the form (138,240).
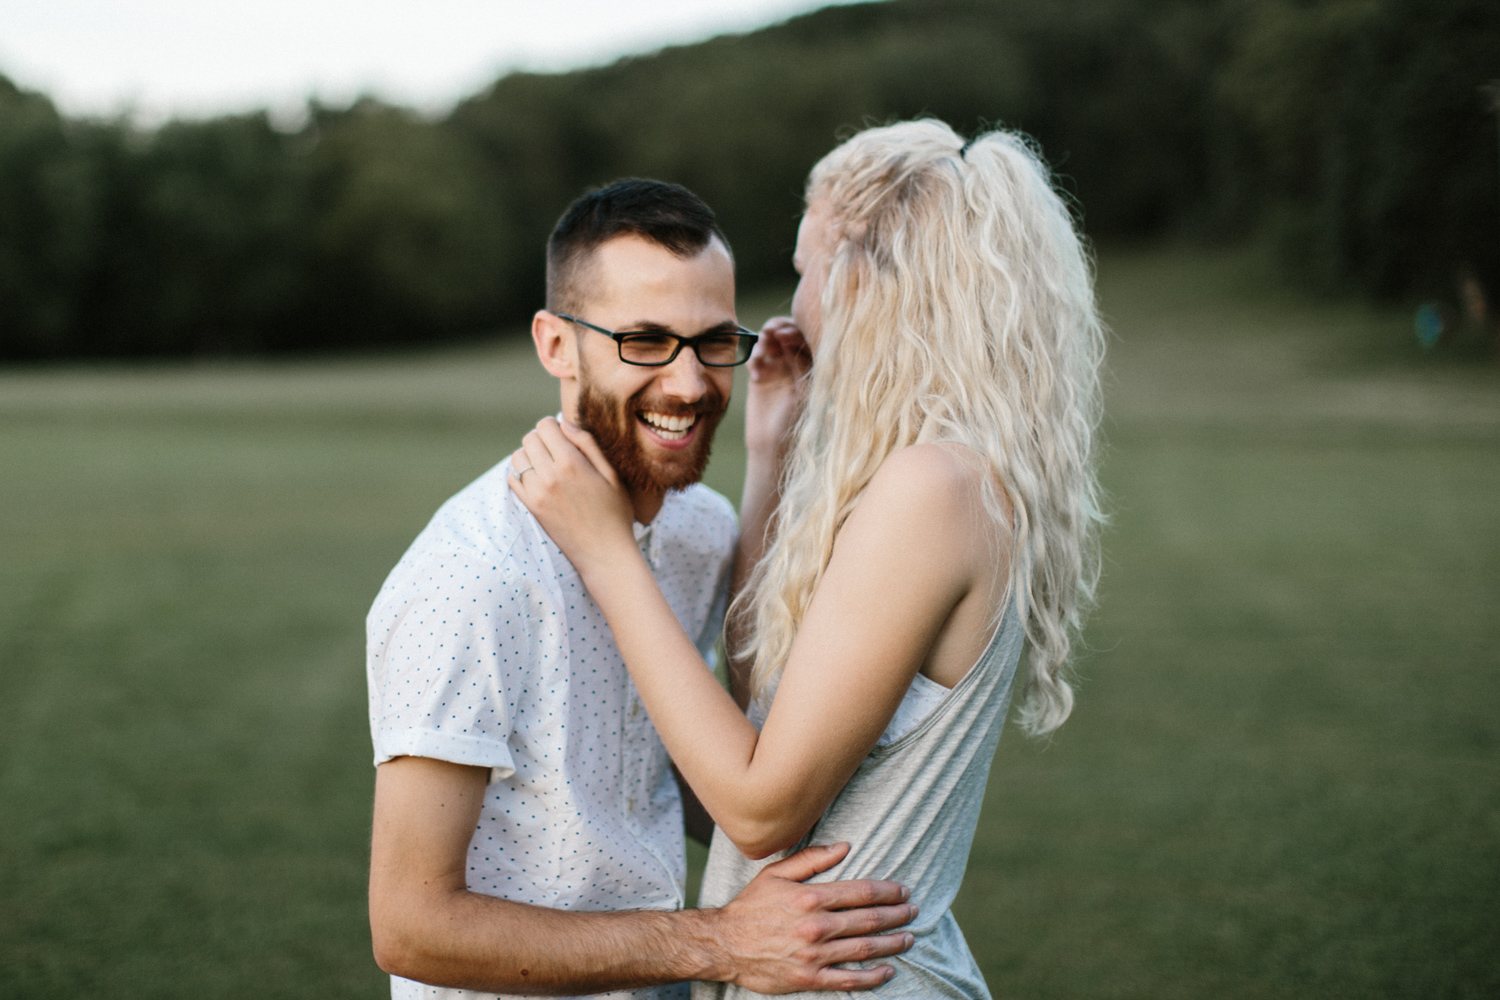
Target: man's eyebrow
(651,326)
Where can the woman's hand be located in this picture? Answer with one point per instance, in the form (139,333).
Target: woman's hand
(780,360)
(563,478)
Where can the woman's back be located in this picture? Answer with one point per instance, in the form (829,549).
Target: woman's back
(910,812)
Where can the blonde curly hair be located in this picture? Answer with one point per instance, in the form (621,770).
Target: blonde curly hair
(959,306)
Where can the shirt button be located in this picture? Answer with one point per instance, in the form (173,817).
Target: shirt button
(635,709)
(630,805)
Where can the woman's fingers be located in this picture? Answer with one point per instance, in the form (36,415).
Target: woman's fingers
(777,325)
(584,442)
(575,451)
(793,344)
(532,454)
(519,466)
(561,450)
(539,453)
(772,337)
(780,356)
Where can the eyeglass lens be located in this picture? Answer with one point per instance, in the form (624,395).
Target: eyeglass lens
(724,349)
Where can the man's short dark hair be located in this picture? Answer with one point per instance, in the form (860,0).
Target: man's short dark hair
(668,215)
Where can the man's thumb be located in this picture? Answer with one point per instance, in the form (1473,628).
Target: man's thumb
(808,862)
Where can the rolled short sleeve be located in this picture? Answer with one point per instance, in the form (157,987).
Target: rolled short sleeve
(450,641)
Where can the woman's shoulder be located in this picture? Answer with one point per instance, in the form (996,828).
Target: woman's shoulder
(937,471)
(938,485)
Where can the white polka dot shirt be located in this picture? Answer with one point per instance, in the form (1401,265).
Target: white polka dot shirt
(485,649)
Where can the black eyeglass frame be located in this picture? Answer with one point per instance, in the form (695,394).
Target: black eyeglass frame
(620,338)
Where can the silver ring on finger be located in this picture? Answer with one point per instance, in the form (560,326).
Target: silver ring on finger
(522,474)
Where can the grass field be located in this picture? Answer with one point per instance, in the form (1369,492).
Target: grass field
(1282,780)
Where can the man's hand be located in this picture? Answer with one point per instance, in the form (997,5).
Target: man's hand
(782,934)
(777,936)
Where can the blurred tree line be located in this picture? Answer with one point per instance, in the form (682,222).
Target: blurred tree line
(1351,132)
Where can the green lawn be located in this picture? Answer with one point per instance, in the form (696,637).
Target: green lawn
(1282,778)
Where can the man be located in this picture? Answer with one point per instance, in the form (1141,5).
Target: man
(528,832)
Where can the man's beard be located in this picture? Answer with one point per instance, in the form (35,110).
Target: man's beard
(613,427)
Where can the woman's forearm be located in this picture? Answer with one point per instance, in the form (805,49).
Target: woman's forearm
(707,735)
(758,503)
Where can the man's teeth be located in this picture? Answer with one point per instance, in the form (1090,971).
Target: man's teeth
(670,427)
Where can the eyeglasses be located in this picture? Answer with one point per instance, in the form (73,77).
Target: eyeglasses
(653,348)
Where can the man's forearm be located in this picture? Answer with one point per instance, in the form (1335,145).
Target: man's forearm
(426,925)
(778,934)
(472,941)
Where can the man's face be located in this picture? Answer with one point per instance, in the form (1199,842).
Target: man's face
(655,425)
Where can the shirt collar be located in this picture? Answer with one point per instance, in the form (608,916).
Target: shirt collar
(647,537)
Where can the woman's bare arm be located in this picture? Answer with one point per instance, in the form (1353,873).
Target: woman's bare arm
(777,371)
(913,549)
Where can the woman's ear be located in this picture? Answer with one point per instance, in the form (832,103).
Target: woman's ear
(556,347)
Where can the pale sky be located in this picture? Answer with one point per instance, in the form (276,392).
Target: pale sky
(163,58)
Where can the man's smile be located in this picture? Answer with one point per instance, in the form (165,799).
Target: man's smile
(668,427)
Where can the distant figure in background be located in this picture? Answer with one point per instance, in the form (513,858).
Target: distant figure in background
(521,794)
(925,511)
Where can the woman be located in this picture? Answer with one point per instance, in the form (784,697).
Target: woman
(935,512)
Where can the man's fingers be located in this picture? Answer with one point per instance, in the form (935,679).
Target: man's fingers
(867,920)
(808,862)
(857,893)
(864,948)
(852,980)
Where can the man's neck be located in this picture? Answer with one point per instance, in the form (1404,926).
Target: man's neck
(647,504)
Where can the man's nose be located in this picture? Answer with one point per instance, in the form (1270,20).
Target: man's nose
(685,378)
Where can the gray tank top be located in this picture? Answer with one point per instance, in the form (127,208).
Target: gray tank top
(909,813)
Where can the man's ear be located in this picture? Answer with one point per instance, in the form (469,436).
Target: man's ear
(556,347)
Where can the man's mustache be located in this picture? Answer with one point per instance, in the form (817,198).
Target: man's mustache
(711,403)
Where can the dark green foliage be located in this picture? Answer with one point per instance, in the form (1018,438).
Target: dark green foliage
(407,236)
(1351,132)
(49,223)
(1377,146)
(370,225)
(206,240)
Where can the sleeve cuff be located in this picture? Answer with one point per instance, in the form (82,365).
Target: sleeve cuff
(445,746)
